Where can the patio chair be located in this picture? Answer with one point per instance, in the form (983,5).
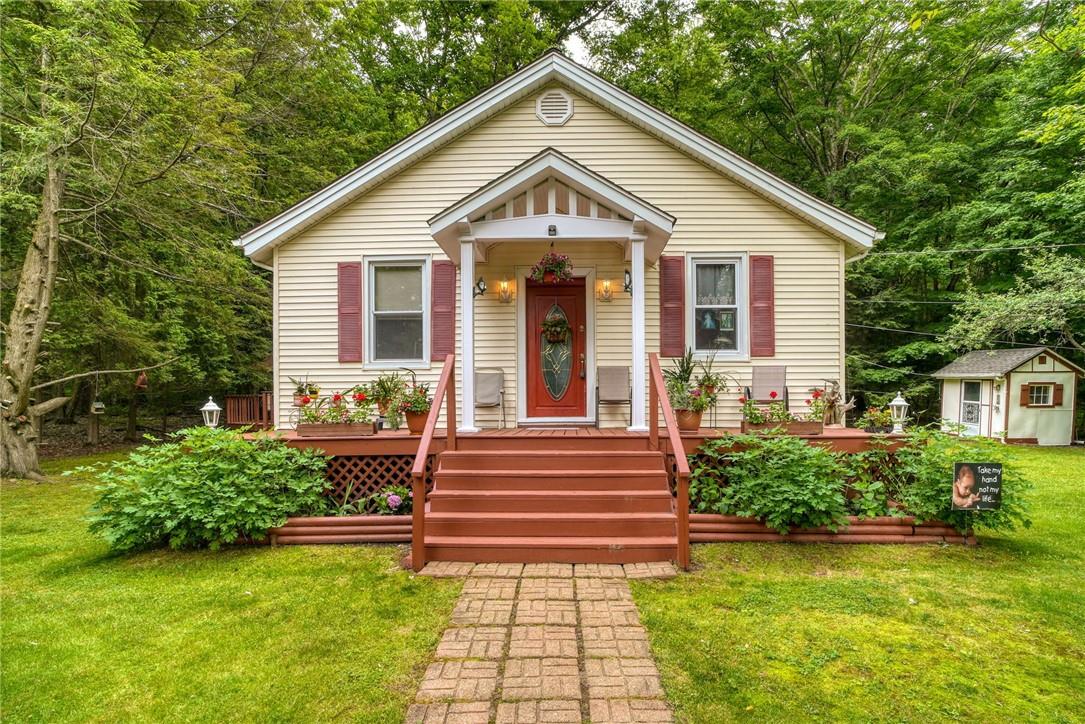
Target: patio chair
(490,390)
(766,380)
(612,388)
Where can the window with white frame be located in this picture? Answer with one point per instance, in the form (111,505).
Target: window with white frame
(717,316)
(398,300)
(1040,395)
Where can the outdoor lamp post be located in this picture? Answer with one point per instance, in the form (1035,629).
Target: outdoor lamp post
(211,413)
(898,408)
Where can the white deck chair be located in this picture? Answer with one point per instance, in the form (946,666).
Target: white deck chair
(612,388)
(766,380)
(490,390)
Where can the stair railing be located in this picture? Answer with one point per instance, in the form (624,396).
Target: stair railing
(446,391)
(657,397)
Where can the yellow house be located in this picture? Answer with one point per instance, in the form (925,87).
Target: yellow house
(673,242)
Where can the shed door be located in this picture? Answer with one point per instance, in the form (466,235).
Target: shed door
(971,406)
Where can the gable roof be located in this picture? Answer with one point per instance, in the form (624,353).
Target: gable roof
(654,224)
(995,362)
(553,67)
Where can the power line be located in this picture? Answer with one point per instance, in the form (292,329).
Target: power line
(973,251)
(931,334)
(902,301)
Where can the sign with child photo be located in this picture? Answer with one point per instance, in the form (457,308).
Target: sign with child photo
(977,486)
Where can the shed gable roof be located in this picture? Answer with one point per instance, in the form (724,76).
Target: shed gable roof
(550,68)
(995,362)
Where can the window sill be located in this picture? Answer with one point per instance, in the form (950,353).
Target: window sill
(729,356)
(385,365)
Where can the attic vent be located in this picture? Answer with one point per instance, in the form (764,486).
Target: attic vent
(554,107)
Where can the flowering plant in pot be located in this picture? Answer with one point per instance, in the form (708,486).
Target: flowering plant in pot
(689,403)
(304,391)
(415,406)
(552,268)
(339,414)
(385,389)
(818,407)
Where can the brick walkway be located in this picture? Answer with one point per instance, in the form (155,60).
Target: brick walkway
(545,642)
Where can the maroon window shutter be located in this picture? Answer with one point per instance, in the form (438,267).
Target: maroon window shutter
(442,310)
(350,311)
(1056,396)
(1024,395)
(762,307)
(672,306)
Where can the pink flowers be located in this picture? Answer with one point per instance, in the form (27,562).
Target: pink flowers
(394,501)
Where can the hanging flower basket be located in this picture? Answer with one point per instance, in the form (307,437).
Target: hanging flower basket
(552,268)
(555,329)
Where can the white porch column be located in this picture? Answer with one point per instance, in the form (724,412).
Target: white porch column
(640,355)
(467,353)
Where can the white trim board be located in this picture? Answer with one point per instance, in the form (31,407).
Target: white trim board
(550,68)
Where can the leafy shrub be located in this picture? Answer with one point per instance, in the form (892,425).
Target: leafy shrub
(925,465)
(205,487)
(779,479)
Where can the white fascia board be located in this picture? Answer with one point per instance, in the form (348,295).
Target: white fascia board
(552,163)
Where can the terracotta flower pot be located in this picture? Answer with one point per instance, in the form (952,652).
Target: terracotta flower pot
(298,400)
(416,422)
(550,277)
(688,420)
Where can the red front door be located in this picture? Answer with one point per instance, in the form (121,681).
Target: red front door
(556,339)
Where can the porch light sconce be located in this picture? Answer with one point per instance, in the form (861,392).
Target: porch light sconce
(480,288)
(898,408)
(628,288)
(211,413)
(605,294)
(504,291)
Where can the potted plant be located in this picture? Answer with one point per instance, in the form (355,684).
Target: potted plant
(710,381)
(552,268)
(555,329)
(304,391)
(386,389)
(415,406)
(876,419)
(689,403)
(338,415)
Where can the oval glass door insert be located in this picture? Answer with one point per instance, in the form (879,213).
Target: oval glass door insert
(557,358)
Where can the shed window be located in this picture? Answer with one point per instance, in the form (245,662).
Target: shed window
(1040,395)
(717,290)
(397,311)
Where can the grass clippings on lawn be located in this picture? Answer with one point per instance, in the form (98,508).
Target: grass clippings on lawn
(323,633)
(795,632)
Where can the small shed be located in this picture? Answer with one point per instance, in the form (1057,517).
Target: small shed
(1025,395)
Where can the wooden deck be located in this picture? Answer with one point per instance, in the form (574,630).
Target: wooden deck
(401,442)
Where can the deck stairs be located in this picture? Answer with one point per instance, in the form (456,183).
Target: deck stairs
(551,499)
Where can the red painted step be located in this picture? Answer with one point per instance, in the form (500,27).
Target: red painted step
(618,525)
(544,480)
(550,501)
(535,460)
(547,549)
(549,443)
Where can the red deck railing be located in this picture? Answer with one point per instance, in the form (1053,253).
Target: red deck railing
(249,410)
(657,397)
(446,388)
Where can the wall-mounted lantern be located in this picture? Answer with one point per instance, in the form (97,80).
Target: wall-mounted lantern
(480,287)
(605,293)
(628,288)
(504,291)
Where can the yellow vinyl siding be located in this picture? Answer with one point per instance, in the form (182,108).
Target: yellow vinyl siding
(714,215)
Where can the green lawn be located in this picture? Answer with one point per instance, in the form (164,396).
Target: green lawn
(769,632)
(249,634)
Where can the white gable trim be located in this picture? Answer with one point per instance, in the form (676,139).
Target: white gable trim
(551,67)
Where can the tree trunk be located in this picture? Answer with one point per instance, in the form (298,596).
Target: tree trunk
(131,432)
(26,327)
